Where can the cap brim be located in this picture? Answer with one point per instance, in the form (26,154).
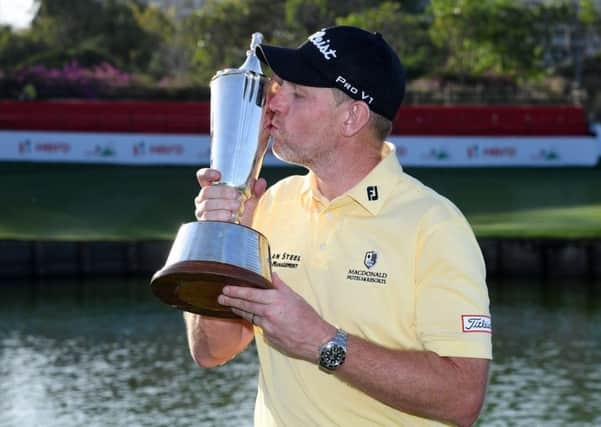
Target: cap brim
(290,65)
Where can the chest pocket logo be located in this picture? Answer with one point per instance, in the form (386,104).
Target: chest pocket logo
(371,257)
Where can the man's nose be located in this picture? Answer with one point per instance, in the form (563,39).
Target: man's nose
(274,98)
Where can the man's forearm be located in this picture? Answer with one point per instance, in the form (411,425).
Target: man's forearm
(214,341)
(418,382)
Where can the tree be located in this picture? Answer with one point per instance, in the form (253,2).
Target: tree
(15,48)
(109,27)
(407,34)
(494,36)
(304,17)
(219,33)
(167,56)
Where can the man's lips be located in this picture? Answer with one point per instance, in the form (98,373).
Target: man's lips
(272,125)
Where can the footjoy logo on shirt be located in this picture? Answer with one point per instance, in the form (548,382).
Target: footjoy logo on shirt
(476,323)
(323,45)
(372,193)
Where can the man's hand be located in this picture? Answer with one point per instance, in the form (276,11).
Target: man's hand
(289,323)
(214,341)
(219,202)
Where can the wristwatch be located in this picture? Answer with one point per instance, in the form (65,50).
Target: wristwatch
(333,353)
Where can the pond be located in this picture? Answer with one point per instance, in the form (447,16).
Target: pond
(106,353)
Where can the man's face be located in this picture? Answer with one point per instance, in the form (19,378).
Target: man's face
(303,124)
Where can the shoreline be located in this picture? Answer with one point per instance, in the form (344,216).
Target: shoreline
(505,257)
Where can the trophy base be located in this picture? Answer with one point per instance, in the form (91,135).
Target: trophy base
(205,257)
(195,285)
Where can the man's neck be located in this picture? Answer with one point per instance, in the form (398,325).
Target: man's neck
(348,168)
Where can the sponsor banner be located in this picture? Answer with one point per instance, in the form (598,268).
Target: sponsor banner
(497,151)
(103,147)
(148,149)
(134,149)
(597,131)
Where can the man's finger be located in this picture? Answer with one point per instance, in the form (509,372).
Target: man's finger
(276,281)
(215,215)
(239,303)
(206,176)
(259,187)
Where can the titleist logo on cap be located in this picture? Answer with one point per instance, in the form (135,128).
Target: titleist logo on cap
(323,45)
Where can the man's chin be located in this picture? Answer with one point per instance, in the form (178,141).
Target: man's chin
(283,157)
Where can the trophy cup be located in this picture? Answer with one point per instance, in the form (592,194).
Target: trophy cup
(207,255)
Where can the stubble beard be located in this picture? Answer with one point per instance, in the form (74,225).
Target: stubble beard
(288,152)
(310,156)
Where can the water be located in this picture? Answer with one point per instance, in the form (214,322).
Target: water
(547,345)
(106,353)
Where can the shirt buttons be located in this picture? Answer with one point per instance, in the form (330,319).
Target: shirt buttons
(329,216)
(322,247)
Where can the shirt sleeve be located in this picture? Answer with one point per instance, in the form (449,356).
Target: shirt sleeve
(452,304)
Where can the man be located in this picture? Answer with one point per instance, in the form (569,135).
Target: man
(379,310)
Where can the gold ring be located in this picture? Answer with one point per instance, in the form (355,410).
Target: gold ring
(235,218)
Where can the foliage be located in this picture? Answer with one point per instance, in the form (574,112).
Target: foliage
(494,36)
(108,26)
(219,33)
(73,79)
(16,48)
(305,17)
(407,34)
(504,37)
(480,43)
(161,40)
(99,81)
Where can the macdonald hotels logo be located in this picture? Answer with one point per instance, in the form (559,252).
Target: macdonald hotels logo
(371,257)
(371,275)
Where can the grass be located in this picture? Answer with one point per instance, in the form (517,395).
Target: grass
(523,202)
(101,202)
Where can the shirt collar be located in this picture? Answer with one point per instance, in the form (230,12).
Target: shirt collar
(371,192)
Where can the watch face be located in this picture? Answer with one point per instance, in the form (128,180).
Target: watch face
(332,356)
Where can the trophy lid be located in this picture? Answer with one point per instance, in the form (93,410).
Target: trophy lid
(252,62)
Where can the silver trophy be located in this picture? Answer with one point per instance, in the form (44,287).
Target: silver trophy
(207,255)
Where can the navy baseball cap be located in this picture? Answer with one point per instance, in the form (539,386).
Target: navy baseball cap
(358,62)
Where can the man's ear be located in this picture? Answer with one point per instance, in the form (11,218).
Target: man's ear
(357,117)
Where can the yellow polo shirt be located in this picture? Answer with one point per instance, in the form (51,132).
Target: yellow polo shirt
(390,261)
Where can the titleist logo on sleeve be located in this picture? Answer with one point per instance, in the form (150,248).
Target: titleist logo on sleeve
(476,323)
